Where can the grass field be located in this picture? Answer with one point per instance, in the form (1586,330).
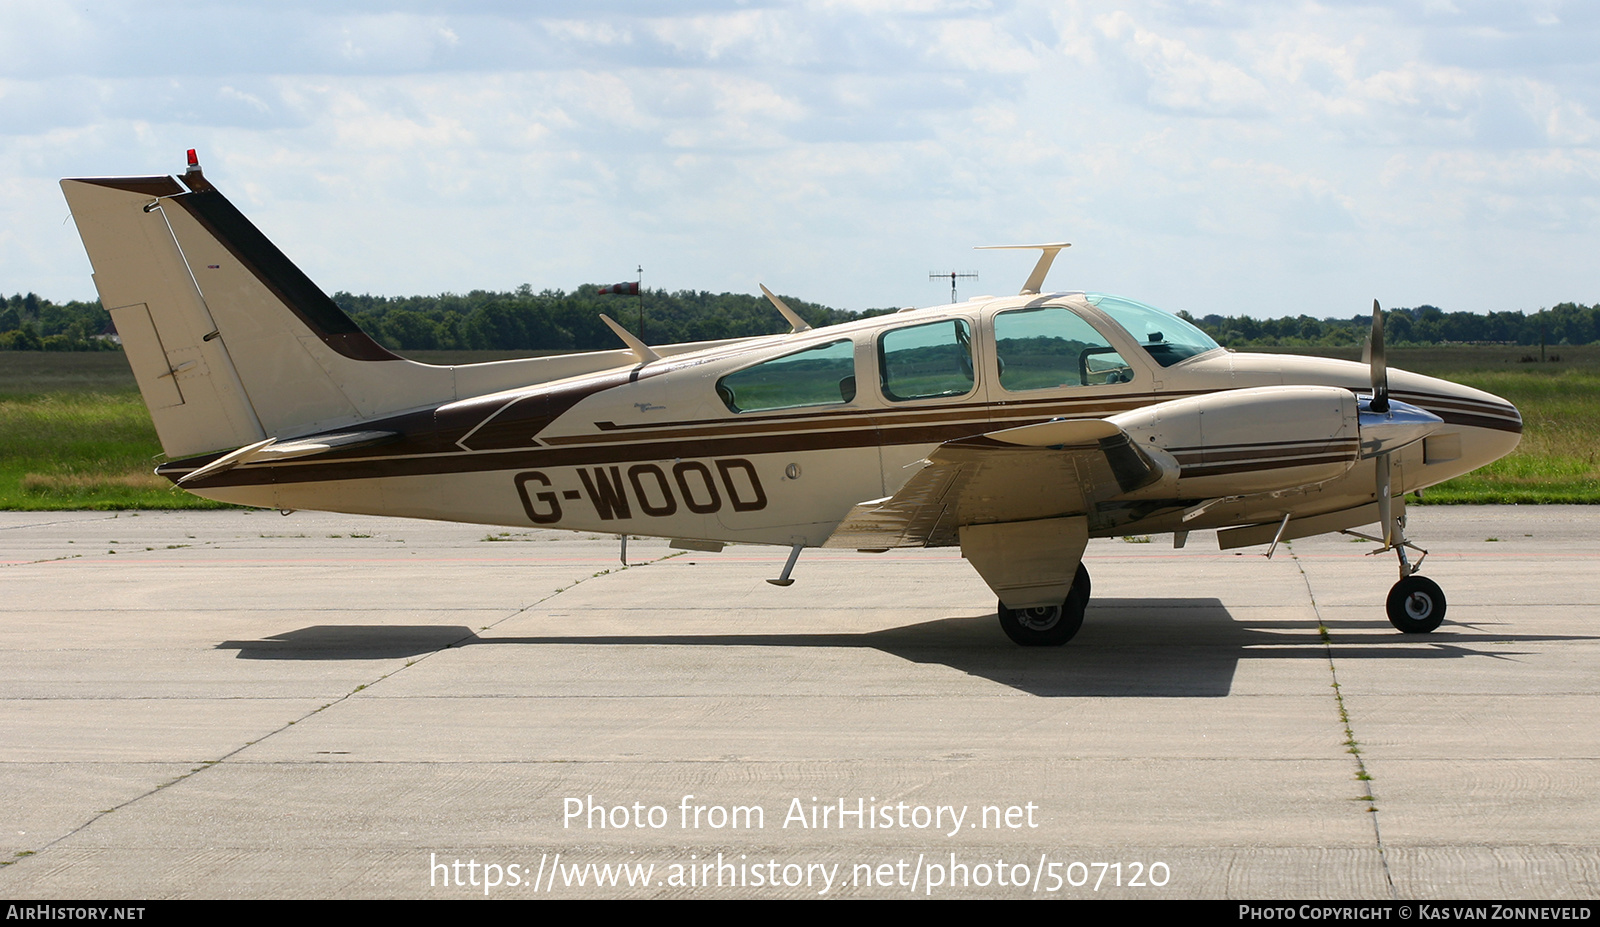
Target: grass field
(74,433)
(1556,461)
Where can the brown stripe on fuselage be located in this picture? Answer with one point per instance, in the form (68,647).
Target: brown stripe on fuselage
(821,421)
(1479,421)
(1098,406)
(501,424)
(743,446)
(1475,413)
(961,409)
(500,433)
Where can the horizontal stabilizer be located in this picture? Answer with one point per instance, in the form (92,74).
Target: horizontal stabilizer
(274,450)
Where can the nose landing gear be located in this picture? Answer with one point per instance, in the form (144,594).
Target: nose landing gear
(1416,603)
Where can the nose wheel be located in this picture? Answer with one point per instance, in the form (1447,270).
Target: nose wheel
(1048,625)
(1416,605)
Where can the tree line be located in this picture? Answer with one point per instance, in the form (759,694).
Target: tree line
(556,320)
(482,320)
(30,323)
(1565,323)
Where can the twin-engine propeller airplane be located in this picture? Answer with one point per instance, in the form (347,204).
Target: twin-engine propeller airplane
(1017,428)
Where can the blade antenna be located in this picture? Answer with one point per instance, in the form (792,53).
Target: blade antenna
(640,350)
(1048,256)
(796,324)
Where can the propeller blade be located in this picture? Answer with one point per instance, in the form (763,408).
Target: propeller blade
(1380,368)
(1380,406)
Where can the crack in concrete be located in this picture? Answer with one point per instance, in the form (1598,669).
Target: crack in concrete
(208,764)
(1352,746)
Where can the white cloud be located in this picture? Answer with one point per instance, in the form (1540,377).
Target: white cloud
(1174,76)
(840,149)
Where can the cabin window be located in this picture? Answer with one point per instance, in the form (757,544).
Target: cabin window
(926,361)
(1052,347)
(1165,337)
(820,376)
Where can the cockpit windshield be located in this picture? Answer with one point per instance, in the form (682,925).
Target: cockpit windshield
(1165,337)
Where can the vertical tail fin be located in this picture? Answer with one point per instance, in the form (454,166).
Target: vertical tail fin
(229,341)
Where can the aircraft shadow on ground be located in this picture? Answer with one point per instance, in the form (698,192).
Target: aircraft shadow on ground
(1151,648)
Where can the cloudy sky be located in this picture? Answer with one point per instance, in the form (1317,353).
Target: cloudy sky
(1218,155)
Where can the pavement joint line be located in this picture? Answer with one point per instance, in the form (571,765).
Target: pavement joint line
(65,521)
(75,556)
(208,764)
(14,563)
(1352,746)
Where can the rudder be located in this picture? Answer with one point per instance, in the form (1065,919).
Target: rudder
(182,367)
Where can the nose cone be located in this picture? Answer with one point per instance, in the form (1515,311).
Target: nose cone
(1457,405)
(1477,427)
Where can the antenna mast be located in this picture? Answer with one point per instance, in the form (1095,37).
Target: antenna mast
(953,275)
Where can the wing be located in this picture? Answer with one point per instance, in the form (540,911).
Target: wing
(1045,470)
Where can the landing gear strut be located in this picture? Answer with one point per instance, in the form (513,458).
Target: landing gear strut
(1416,603)
(1048,625)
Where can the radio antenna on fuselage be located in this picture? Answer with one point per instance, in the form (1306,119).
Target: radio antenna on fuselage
(796,324)
(1036,279)
(953,275)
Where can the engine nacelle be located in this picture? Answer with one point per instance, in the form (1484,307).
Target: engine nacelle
(1247,441)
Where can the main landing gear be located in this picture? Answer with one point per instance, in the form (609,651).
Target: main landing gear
(1049,625)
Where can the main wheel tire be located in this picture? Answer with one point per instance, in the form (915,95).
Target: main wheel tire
(1416,605)
(1046,626)
(1080,583)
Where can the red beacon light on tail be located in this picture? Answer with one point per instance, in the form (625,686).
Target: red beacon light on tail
(193,178)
